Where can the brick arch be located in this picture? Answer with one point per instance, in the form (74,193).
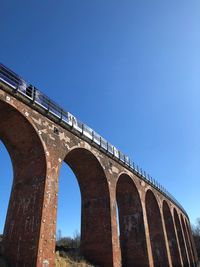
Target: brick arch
(187,242)
(171,235)
(22,226)
(156,232)
(96,233)
(181,240)
(191,240)
(131,224)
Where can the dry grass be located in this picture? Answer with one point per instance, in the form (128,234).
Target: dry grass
(68,262)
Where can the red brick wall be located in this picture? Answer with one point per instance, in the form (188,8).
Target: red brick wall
(37,152)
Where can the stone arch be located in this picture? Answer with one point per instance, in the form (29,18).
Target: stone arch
(181,240)
(171,235)
(156,232)
(131,224)
(96,231)
(22,226)
(187,242)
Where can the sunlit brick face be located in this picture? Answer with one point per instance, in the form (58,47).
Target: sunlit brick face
(131,224)
(171,235)
(22,225)
(156,231)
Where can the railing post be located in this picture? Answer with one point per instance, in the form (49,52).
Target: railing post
(34,92)
(48,106)
(82,128)
(61,114)
(137,169)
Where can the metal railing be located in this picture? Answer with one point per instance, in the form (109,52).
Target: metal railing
(71,122)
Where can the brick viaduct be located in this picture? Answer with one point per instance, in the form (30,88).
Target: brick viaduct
(154,231)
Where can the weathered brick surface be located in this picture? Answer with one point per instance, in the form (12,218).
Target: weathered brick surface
(156,231)
(187,242)
(181,240)
(37,152)
(194,252)
(132,230)
(171,236)
(29,164)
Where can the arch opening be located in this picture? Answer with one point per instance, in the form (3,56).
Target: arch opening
(68,215)
(22,226)
(171,236)
(6,184)
(181,240)
(187,242)
(156,232)
(191,242)
(131,224)
(69,205)
(96,236)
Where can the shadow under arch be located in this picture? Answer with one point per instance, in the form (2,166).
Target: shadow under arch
(96,231)
(22,226)
(157,238)
(131,224)
(171,235)
(181,240)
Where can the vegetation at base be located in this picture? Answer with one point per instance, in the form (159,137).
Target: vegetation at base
(68,252)
(196,236)
(68,262)
(68,242)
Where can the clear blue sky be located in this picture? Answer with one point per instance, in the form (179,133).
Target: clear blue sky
(129,69)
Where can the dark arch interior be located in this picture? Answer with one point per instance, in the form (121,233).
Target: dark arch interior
(29,168)
(96,238)
(181,240)
(156,231)
(131,224)
(171,235)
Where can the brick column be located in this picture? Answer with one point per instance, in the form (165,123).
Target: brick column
(171,236)
(22,226)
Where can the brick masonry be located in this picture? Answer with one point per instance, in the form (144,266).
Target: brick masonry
(153,230)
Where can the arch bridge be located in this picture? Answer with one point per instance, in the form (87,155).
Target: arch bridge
(39,135)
